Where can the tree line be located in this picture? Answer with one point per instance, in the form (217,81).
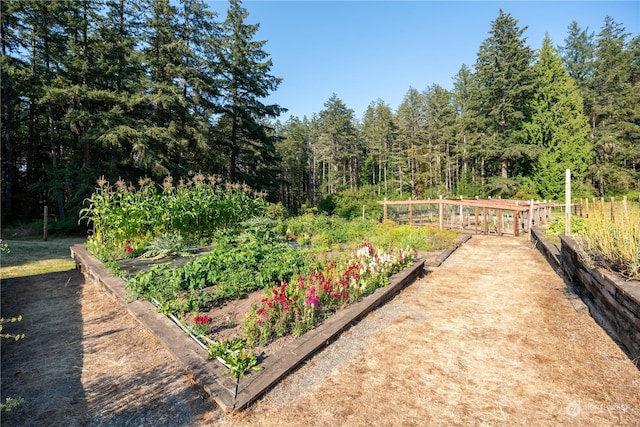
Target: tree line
(510,127)
(122,88)
(128,89)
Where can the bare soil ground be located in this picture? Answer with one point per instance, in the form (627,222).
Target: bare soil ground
(488,338)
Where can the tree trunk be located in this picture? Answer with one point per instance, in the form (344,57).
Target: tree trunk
(7,114)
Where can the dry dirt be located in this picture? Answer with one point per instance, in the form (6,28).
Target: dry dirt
(488,338)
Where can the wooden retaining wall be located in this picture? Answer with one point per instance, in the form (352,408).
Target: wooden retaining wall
(613,302)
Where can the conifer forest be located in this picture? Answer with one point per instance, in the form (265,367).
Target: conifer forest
(128,89)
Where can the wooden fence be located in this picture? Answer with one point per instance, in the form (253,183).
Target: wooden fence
(487,216)
(609,207)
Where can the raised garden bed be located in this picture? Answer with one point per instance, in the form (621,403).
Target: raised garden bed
(278,359)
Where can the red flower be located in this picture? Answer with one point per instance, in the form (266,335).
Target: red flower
(128,248)
(201,320)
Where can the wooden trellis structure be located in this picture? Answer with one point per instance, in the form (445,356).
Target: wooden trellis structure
(487,216)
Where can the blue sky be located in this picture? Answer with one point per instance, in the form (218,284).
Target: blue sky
(368,50)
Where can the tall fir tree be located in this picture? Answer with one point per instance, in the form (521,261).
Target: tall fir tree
(295,152)
(379,138)
(558,127)
(336,149)
(466,132)
(504,83)
(410,119)
(440,144)
(615,113)
(244,81)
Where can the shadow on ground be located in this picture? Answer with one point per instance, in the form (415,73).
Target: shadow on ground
(85,361)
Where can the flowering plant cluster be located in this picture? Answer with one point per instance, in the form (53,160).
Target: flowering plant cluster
(200,325)
(297,306)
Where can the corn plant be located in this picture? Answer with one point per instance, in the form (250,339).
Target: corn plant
(126,219)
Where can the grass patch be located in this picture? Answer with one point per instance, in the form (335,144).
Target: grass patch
(31,257)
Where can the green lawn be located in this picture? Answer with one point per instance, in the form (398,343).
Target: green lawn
(31,257)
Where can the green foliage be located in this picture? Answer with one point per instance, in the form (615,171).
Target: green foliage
(11,403)
(166,245)
(325,230)
(14,337)
(557,126)
(557,225)
(236,265)
(352,204)
(388,235)
(124,217)
(235,356)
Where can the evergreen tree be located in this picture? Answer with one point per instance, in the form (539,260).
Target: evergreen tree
(504,79)
(410,119)
(335,148)
(244,82)
(578,58)
(466,133)
(577,53)
(378,136)
(157,150)
(12,68)
(557,126)
(615,113)
(294,151)
(123,75)
(439,132)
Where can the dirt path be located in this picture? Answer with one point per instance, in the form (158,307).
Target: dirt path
(479,341)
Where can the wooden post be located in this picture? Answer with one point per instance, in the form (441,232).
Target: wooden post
(567,200)
(613,206)
(385,210)
(440,213)
(485,220)
(500,222)
(476,220)
(461,216)
(410,212)
(45,229)
(516,224)
(580,208)
(530,219)
(586,210)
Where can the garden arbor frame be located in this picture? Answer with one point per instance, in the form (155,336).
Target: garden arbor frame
(488,216)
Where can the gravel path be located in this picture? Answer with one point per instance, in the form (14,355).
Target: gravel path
(487,338)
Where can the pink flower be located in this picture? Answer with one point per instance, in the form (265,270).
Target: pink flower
(128,248)
(313,299)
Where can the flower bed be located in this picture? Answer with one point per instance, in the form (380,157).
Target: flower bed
(262,321)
